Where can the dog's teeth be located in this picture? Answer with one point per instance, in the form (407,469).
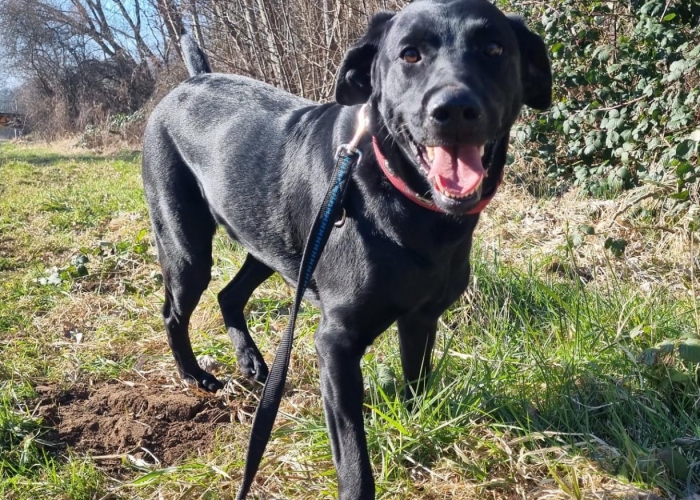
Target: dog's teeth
(481,151)
(455,196)
(431,153)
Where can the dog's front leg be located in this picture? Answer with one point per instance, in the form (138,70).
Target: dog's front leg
(416,340)
(339,353)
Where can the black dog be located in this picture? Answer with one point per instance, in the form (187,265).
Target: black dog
(444,80)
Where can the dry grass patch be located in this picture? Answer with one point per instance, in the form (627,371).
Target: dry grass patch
(568,233)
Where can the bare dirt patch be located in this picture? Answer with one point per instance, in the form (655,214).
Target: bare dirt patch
(113,422)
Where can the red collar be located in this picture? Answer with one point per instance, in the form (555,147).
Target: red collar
(399,184)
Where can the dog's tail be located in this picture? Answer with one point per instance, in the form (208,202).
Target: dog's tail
(195,59)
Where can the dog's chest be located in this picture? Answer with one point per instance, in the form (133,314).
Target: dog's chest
(366,267)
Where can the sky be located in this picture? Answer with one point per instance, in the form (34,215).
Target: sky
(8,81)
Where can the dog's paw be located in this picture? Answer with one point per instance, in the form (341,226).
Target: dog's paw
(205,381)
(252,365)
(210,383)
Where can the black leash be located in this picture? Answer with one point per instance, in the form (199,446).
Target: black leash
(346,157)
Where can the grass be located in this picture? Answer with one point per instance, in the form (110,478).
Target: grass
(547,383)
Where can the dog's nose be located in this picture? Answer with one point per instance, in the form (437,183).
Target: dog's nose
(454,108)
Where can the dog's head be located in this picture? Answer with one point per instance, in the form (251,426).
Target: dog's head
(445,80)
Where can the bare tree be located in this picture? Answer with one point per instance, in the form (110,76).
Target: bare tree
(83,59)
(294,44)
(90,59)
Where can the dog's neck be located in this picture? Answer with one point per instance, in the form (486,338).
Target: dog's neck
(398,182)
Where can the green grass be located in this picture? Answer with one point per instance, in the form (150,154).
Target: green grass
(544,386)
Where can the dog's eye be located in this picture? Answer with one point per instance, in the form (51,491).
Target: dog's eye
(493,49)
(410,55)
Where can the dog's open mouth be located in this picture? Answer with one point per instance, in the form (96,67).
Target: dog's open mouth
(456,172)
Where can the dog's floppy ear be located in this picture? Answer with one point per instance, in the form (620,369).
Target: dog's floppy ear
(354,82)
(535,68)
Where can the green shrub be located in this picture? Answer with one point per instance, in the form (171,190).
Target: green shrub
(627,94)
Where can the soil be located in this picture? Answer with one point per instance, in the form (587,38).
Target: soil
(113,422)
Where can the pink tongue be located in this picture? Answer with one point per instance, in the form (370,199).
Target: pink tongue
(457,170)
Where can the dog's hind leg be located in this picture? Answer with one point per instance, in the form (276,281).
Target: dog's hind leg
(183,228)
(232,300)
(185,278)
(416,340)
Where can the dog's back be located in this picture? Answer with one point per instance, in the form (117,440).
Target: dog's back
(223,143)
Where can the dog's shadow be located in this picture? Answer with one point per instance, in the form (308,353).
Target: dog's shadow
(51,159)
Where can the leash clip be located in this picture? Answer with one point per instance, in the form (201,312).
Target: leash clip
(351,147)
(341,222)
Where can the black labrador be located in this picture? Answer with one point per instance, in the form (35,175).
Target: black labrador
(444,81)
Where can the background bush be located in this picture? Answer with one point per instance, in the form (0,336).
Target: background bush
(627,95)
